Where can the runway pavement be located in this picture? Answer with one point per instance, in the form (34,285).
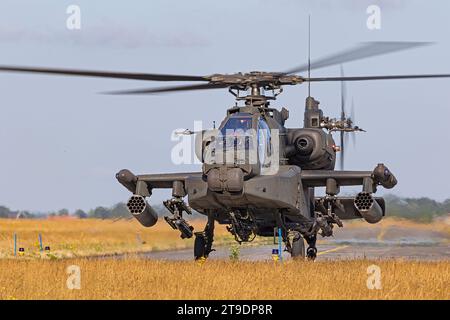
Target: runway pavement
(349,243)
(325,252)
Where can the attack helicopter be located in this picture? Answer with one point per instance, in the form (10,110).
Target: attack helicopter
(257,174)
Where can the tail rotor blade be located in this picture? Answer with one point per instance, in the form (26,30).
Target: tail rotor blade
(342,133)
(343,95)
(352,115)
(342,150)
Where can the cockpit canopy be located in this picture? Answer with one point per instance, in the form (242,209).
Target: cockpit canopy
(236,133)
(243,139)
(238,122)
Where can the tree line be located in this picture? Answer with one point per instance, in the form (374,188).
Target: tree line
(417,209)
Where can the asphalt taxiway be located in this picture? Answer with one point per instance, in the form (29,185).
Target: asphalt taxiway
(348,243)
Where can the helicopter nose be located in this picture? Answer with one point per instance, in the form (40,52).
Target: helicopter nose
(226,179)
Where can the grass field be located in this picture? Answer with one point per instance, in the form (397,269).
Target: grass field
(69,238)
(39,275)
(144,279)
(78,238)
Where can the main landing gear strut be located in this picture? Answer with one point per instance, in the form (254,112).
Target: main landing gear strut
(292,237)
(295,235)
(311,252)
(204,240)
(295,245)
(323,224)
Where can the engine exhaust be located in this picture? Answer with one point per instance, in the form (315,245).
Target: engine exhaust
(142,211)
(368,207)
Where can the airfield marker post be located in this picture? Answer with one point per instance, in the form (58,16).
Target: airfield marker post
(15,244)
(40,243)
(279,245)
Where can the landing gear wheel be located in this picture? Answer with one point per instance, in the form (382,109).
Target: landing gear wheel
(200,247)
(311,253)
(298,248)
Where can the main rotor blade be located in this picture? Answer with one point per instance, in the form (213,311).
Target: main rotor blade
(103,74)
(365,78)
(168,89)
(364,50)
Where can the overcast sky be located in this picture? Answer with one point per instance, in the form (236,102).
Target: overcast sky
(62,143)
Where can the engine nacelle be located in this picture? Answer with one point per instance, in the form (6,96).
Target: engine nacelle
(310,149)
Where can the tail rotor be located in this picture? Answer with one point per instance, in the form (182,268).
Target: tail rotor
(347,126)
(343,119)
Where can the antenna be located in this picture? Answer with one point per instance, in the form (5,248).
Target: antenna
(309,55)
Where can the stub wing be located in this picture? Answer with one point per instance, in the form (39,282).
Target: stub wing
(151,181)
(381,175)
(318,178)
(166,180)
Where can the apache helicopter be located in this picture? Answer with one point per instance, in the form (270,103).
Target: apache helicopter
(258,175)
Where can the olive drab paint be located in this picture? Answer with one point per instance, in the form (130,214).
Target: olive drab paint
(258,174)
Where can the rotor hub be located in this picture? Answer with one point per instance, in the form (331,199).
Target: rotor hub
(255,79)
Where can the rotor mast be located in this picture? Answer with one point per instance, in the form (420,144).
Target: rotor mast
(255,82)
(255,90)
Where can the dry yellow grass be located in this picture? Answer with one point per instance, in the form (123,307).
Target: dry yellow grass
(75,238)
(32,278)
(143,279)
